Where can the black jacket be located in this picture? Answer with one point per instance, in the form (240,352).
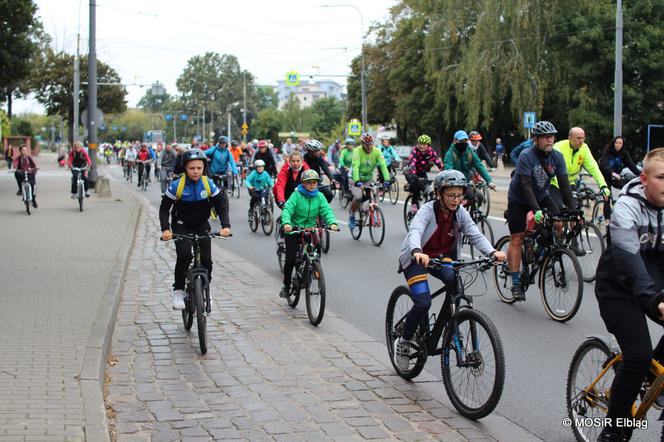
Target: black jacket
(270,164)
(320,165)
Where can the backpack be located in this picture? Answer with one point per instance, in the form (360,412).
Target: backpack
(206,184)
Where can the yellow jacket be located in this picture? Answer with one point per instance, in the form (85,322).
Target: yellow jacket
(575,159)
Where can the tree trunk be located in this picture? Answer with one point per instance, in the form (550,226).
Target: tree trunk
(9,103)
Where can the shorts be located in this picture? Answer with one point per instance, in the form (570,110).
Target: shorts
(356,191)
(516,213)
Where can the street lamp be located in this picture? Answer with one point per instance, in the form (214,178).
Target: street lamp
(618,75)
(362,83)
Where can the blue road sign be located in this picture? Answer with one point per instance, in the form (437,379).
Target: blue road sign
(528,120)
(115,128)
(184,117)
(168,117)
(124,129)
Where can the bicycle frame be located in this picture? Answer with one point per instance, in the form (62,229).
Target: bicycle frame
(26,188)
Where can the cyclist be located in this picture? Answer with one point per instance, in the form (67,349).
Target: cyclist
(303,209)
(25,164)
(167,161)
(188,200)
(476,145)
(530,191)
(365,159)
(78,158)
(143,164)
(345,163)
(236,151)
(257,181)
(436,230)
(514,154)
(315,159)
(289,178)
(148,165)
(615,158)
(392,158)
(178,165)
(131,153)
(499,152)
(419,163)
(263,153)
(220,158)
(333,153)
(630,286)
(460,156)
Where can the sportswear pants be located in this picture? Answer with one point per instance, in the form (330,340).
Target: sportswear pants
(255,198)
(74,178)
(415,185)
(292,246)
(183,248)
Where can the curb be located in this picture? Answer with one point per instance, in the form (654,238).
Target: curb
(96,349)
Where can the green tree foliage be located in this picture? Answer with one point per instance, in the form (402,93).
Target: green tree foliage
(20,126)
(5,126)
(136,121)
(328,112)
(153,103)
(267,124)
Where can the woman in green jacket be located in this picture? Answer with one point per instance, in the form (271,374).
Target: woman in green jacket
(303,209)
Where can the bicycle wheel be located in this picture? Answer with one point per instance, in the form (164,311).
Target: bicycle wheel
(561,285)
(267,222)
(591,240)
(376,226)
(473,364)
(315,294)
(502,277)
(408,215)
(486,204)
(294,295)
(398,307)
(381,195)
(393,191)
(487,231)
(325,241)
(80,197)
(588,362)
(26,197)
(359,224)
(201,319)
(188,312)
(253,222)
(237,188)
(597,216)
(281,255)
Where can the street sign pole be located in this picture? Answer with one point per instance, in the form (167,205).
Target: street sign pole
(92,95)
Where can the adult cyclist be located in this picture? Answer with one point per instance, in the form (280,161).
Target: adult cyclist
(315,159)
(464,159)
(420,161)
(345,163)
(392,158)
(221,159)
(530,191)
(476,145)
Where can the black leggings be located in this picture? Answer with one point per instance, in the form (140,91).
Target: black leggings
(20,175)
(626,320)
(292,247)
(183,248)
(415,185)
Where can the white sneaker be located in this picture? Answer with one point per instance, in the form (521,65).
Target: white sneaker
(178,299)
(402,349)
(73,196)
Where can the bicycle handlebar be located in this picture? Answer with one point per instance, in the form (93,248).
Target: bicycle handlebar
(195,237)
(436,263)
(310,229)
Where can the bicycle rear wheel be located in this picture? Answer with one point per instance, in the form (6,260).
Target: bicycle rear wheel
(393,191)
(376,226)
(583,403)
(408,215)
(267,221)
(315,294)
(398,307)
(502,277)
(561,285)
(591,240)
(359,224)
(473,364)
(281,255)
(201,319)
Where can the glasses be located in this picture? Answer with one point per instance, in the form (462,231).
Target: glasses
(453,196)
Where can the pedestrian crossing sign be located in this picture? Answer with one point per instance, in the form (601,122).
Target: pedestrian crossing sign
(528,120)
(292,79)
(354,128)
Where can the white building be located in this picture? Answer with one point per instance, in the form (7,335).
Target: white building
(308,92)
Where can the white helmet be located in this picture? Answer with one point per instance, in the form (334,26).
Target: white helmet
(259,163)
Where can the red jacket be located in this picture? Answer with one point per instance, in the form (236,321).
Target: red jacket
(24,163)
(79,158)
(287,181)
(143,155)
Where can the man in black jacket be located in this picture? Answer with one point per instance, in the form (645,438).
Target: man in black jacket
(315,159)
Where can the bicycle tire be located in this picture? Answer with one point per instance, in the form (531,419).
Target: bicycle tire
(26,197)
(359,225)
(315,300)
(253,223)
(80,197)
(281,256)
(479,408)
(591,240)
(381,195)
(325,241)
(502,277)
(400,304)
(486,204)
(294,294)
(554,311)
(376,223)
(407,215)
(393,192)
(597,216)
(188,312)
(201,319)
(267,221)
(236,187)
(485,227)
(594,403)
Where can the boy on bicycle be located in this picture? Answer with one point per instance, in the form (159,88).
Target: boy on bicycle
(630,286)
(303,209)
(188,200)
(436,230)
(257,181)
(24,164)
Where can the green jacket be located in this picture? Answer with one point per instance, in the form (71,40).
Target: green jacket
(465,162)
(303,211)
(575,159)
(365,163)
(346,158)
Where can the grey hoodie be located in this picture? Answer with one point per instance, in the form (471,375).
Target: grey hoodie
(632,266)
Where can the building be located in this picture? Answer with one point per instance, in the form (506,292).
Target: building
(308,92)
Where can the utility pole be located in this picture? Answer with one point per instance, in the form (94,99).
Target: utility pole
(92,95)
(77,94)
(229,128)
(618,76)
(244,105)
(203,136)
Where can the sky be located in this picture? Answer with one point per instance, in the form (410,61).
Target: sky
(151,40)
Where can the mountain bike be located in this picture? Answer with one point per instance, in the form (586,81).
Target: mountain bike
(479,217)
(471,356)
(370,215)
(308,273)
(482,191)
(197,292)
(591,374)
(393,190)
(591,202)
(411,203)
(26,189)
(80,185)
(263,213)
(142,174)
(129,171)
(560,278)
(587,238)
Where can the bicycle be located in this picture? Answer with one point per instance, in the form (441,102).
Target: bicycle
(479,217)
(470,341)
(370,215)
(26,189)
(308,271)
(197,293)
(482,192)
(129,171)
(546,252)
(393,190)
(588,389)
(80,185)
(262,213)
(408,213)
(142,174)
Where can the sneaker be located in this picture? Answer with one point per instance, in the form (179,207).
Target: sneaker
(284,291)
(577,249)
(34,203)
(610,435)
(18,193)
(402,353)
(518,293)
(351,222)
(87,194)
(178,299)
(73,196)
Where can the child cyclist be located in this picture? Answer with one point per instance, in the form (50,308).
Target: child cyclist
(188,200)
(257,181)
(436,230)
(303,209)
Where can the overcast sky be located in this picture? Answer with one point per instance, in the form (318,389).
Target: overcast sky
(151,40)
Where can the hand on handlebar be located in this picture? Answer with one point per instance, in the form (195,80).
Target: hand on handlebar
(499,256)
(166,235)
(288,228)
(421,259)
(359,184)
(492,186)
(225,232)
(539,217)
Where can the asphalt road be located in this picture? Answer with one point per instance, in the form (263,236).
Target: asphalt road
(360,278)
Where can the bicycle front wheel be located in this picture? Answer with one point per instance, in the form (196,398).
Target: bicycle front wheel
(201,319)
(253,222)
(398,306)
(325,241)
(376,226)
(591,240)
(343,198)
(267,221)
(473,364)
(188,312)
(561,285)
(583,402)
(486,203)
(393,191)
(502,277)
(597,216)
(487,231)
(80,197)
(315,294)
(359,225)
(237,188)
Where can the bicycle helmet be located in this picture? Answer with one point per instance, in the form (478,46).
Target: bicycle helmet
(350,141)
(309,175)
(461,135)
(193,154)
(262,143)
(259,163)
(313,146)
(367,138)
(223,139)
(449,178)
(475,135)
(424,139)
(543,128)
(234,143)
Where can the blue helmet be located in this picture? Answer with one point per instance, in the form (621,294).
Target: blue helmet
(223,139)
(461,135)
(194,154)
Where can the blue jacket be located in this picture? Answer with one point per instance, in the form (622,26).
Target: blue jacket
(153,154)
(390,154)
(514,155)
(259,181)
(220,159)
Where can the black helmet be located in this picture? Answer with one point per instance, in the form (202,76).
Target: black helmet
(193,154)
(543,128)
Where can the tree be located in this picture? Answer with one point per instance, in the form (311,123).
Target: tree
(136,121)
(19,126)
(266,97)
(267,124)
(153,103)
(19,35)
(329,112)
(5,125)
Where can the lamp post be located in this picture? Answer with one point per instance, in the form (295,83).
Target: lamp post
(618,75)
(362,82)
